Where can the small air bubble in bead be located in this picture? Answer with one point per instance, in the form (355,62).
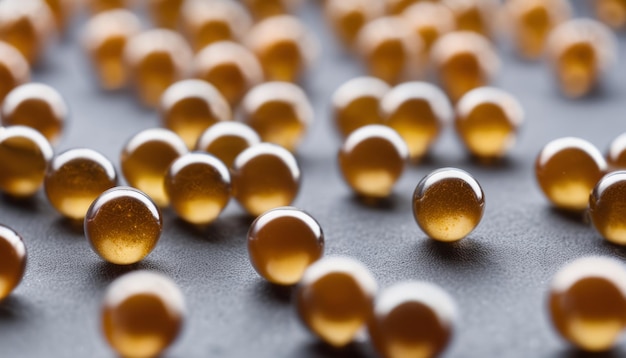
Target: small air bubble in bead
(207,22)
(12,260)
(356,102)
(226,140)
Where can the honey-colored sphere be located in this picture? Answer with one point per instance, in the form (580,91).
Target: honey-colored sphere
(372,159)
(75,178)
(156,59)
(265,176)
(390,49)
(279,112)
(24,154)
(105,38)
(587,302)
(429,21)
(418,111)
(607,207)
(123,225)
(463,61)
(412,319)
(611,12)
(14,69)
(616,156)
(282,243)
(567,169)
(284,46)
(142,314)
(356,102)
(448,204)
(348,16)
(226,140)
(487,121)
(12,260)
(147,157)
(165,13)
(98,6)
(334,299)
(27,26)
(230,67)
(199,187)
(38,106)
(477,16)
(262,9)
(189,107)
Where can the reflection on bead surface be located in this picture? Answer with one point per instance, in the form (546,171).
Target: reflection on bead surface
(429,21)
(266,8)
(24,154)
(616,157)
(37,106)
(611,12)
(587,302)
(282,243)
(75,178)
(474,15)
(165,13)
(356,102)
(198,185)
(567,169)
(418,111)
(12,260)
(265,176)
(27,26)
(348,16)
(189,107)
(146,159)
(412,319)
(607,207)
(142,314)
(334,298)
(372,159)
(14,70)
(226,140)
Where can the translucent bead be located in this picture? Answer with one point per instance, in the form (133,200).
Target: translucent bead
(262,9)
(14,70)
(146,158)
(165,13)
(282,243)
(474,15)
(334,299)
(567,169)
(429,21)
(356,102)
(27,26)
(611,12)
(38,106)
(265,176)
(142,314)
(12,260)
(418,111)
(24,154)
(279,112)
(75,178)
(97,6)
(616,157)
(412,319)
(587,301)
(372,159)
(607,207)
(348,16)
(226,140)
(189,107)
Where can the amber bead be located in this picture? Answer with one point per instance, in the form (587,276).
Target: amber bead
(418,111)
(356,102)
(12,260)
(262,9)
(282,243)
(198,185)
(230,67)
(412,319)
(142,314)
(265,176)
(579,52)
(146,159)
(372,159)
(24,154)
(165,13)
(474,15)
(429,21)
(14,70)
(191,106)
(38,106)
(75,178)
(97,6)
(284,47)
(348,16)
(105,37)
(587,302)
(567,169)
(390,49)
(611,12)
(27,26)
(463,61)
(156,59)
(334,299)
(487,121)
(226,140)
(607,207)
(616,156)
(279,112)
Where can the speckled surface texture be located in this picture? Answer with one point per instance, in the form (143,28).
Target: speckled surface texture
(498,275)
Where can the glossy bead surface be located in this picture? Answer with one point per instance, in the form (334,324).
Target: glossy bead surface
(226,140)
(567,169)
(165,13)
(123,225)
(24,154)
(616,156)
(477,16)
(14,69)
(356,102)
(429,21)
(611,12)
(348,16)
(146,158)
(27,26)
(334,299)
(282,243)
(587,302)
(265,176)
(142,314)
(262,9)
(189,107)
(12,260)
(412,319)
(372,159)
(199,187)
(607,207)
(75,178)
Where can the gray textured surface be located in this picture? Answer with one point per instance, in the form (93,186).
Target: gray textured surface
(498,275)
